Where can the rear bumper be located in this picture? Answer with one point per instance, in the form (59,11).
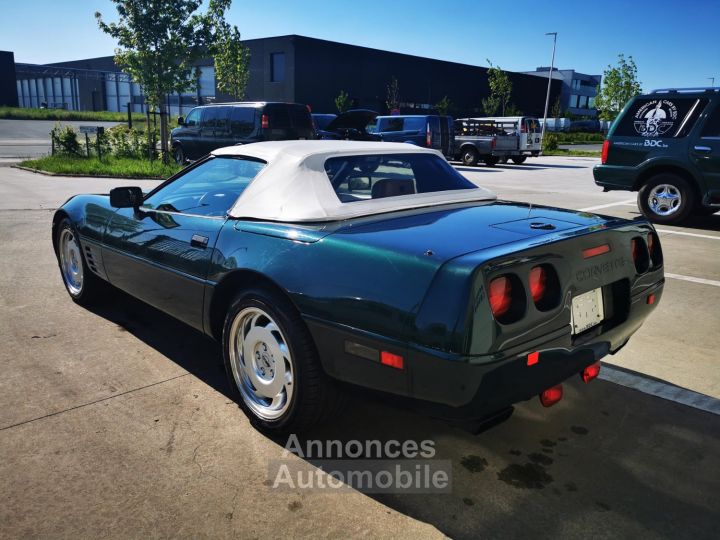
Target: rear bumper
(456,386)
(614,177)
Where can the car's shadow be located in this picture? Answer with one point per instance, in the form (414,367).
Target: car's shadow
(587,466)
(703,223)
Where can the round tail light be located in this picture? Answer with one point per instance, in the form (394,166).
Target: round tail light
(500,296)
(538,283)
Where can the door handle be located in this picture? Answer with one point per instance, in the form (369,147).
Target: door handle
(703,149)
(199,241)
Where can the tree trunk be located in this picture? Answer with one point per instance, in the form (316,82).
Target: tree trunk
(164,131)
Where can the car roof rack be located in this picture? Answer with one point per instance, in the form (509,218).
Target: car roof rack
(685,90)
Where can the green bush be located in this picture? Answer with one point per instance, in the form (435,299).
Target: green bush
(550,141)
(65,141)
(125,142)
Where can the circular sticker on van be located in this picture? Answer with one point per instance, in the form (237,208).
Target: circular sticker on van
(655,118)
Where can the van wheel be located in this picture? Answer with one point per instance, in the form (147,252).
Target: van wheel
(179,155)
(469,156)
(519,160)
(491,161)
(666,198)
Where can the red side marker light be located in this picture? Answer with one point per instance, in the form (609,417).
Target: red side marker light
(590,372)
(533,358)
(650,299)
(551,396)
(595,251)
(392,360)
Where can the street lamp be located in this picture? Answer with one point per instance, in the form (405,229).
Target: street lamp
(712,82)
(547,97)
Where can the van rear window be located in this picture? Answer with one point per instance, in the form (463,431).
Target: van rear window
(663,116)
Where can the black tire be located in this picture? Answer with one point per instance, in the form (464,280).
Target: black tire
(491,161)
(519,160)
(469,156)
(315,396)
(92,288)
(179,155)
(667,198)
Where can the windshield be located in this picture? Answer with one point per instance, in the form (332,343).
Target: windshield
(361,178)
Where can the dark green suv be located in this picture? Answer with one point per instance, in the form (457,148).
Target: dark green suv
(666,146)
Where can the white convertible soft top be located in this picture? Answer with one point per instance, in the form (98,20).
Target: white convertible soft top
(294,186)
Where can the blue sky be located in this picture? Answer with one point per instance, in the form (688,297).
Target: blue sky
(675,43)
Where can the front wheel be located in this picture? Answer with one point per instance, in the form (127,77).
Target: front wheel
(179,155)
(469,156)
(519,160)
(666,199)
(272,364)
(83,286)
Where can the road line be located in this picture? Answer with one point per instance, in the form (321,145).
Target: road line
(694,279)
(601,206)
(658,388)
(682,233)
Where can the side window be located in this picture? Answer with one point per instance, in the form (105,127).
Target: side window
(712,124)
(242,121)
(216,118)
(665,116)
(209,189)
(193,118)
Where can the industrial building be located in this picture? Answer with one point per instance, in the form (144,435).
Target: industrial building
(578,90)
(287,68)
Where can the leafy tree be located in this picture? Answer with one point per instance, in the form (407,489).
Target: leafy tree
(232,62)
(443,106)
(619,85)
(393,91)
(512,110)
(490,104)
(342,101)
(556,111)
(158,41)
(500,89)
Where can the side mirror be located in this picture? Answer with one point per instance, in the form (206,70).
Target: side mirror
(126,197)
(181,121)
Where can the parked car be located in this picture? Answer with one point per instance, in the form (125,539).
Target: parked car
(320,121)
(213,126)
(513,138)
(429,131)
(350,126)
(375,264)
(666,146)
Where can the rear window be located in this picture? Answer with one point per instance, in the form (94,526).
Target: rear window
(533,125)
(362,178)
(278,116)
(660,117)
(401,124)
(301,117)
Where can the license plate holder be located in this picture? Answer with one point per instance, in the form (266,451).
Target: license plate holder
(587,311)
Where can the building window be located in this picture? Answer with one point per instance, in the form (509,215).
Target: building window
(277,67)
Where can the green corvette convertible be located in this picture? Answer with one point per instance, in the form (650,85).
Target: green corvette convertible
(319,264)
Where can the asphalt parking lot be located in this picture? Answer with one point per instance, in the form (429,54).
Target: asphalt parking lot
(115,422)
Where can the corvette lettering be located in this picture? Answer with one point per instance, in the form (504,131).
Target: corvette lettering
(596,270)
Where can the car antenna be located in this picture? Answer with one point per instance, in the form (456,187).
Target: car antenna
(529,209)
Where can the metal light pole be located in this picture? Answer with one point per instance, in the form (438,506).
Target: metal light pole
(547,97)
(712,82)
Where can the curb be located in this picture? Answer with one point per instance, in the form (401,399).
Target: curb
(73,175)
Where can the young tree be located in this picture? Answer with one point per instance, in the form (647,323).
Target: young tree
(393,92)
(232,62)
(500,88)
(342,102)
(619,85)
(490,105)
(443,106)
(556,111)
(158,41)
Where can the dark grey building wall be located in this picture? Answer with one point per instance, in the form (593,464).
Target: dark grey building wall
(8,88)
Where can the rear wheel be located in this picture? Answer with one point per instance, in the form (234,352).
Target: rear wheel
(272,365)
(519,160)
(83,286)
(666,198)
(469,156)
(491,161)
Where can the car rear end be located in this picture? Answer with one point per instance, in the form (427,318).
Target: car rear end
(286,121)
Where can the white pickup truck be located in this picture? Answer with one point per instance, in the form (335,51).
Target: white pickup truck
(497,139)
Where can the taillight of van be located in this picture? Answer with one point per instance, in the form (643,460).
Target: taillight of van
(264,121)
(604,153)
(428,135)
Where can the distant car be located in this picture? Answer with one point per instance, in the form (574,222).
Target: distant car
(428,131)
(214,126)
(666,146)
(376,264)
(351,126)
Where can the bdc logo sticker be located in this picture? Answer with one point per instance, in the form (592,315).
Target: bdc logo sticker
(655,118)
(655,143)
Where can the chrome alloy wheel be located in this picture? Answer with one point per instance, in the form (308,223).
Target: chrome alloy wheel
(261,363)
(71,264)
(664,199)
